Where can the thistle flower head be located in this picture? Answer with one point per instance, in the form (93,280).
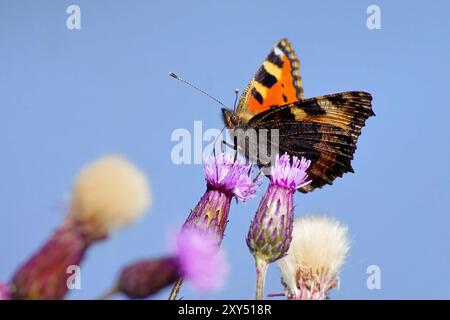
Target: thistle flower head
(226,177)
(200,259)
(109,193)
(229,175)
(319,247)
(289,174)
(4,291)
(270,232)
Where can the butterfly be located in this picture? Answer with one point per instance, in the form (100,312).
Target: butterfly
(323,129)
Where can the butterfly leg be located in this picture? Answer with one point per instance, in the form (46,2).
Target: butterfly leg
(229,145)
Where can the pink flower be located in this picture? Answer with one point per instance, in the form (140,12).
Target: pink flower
(197,259)
(4,291)
(200,259)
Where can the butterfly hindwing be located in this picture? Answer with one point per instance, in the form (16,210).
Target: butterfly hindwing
(277,82)
(323,129)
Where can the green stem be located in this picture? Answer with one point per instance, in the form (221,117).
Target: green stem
(176,289)
(261,270)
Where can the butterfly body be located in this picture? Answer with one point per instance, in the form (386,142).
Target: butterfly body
(323,129)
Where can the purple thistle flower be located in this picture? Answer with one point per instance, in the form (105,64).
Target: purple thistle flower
(270,232)
(290,175)
(4,291)
(226,178)
(197,259)
(230,176)
(271,229)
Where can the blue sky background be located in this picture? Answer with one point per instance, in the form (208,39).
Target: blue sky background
(68,97)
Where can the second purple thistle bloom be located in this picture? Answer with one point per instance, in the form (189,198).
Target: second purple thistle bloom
(270,232)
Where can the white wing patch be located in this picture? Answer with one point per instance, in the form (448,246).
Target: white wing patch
(278,51)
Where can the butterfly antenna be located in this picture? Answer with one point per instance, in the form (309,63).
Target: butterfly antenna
(175,76)
(236,91)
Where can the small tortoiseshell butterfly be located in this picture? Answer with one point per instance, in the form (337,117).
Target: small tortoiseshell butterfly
(323,129)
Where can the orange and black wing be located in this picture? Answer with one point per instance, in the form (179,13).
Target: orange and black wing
(277,82)
(324,130)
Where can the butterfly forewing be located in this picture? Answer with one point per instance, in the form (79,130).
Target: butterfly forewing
(277,82)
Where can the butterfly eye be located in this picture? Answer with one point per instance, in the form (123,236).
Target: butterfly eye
(234,119)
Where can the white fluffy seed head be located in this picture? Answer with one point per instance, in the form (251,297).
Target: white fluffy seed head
(110,193)
(319,244)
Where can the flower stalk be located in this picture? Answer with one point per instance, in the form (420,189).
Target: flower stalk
(176,289)
(261,270)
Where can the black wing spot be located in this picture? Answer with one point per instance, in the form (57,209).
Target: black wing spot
(311,107)
(257,96)
(265,78)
